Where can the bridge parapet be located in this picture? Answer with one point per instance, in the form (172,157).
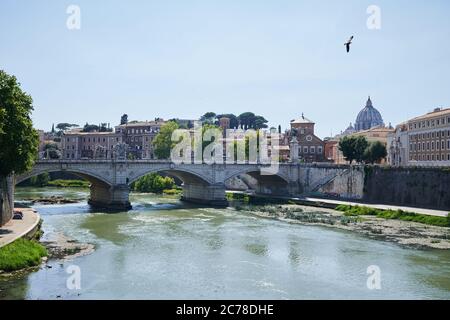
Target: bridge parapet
(110,179)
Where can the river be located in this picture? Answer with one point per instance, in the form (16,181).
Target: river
(166,249)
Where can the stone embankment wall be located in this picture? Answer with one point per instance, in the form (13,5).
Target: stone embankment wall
(415,187)
(6,199)
(348,184)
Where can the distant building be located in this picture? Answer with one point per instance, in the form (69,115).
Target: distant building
(368,118)
(139,135)
(310,147)
(429,139)
(369,123)
(89,145)
(397,146)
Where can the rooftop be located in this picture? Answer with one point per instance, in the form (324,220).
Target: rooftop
(303,119)
(141,123)
(435,113)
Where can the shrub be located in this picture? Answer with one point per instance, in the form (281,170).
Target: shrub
(153,182)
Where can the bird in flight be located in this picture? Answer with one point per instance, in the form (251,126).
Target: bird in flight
(348,43)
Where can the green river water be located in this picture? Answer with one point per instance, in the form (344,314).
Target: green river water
(166,249)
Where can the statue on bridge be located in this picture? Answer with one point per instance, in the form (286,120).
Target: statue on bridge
(120,151)
(100,152)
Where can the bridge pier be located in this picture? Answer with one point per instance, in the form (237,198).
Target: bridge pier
(110,197)
(213,195)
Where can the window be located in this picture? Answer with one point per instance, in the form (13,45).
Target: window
(312,149)
(305,149)
(319,150)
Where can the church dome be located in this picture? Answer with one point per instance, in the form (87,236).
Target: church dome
(368,117)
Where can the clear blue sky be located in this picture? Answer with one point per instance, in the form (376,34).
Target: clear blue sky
(183,58)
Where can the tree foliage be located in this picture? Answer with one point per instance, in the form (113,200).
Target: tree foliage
(64,126)
(375,152)
(103,127)
(52,150)
(353,148)
(153,182)
(359,149)
(18,140)
(124,119)
(163,140)
(208,117)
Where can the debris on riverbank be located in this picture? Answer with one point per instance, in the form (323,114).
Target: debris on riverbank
(52,200)
(411,234)
(61,247)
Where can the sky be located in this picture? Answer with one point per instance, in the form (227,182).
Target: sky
(180,59)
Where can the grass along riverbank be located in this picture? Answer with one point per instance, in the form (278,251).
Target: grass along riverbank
(395,215)
(21,254)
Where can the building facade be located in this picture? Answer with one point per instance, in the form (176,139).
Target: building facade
(310,147)
(89,145)
(429,139)
(139,135)
(397,146)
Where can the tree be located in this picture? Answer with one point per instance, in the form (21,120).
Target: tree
(90,127)
(249,120)
(375,152)
(234,122)
(208,117)
(52,150)
(353,148)
(279,129)
(18,140)
(246,119)
(153,182)
(124,119)
(163,140)
(64,126)
(104,127)
(260,122)
(346,145)
(360,146)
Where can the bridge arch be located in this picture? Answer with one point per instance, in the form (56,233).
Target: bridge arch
(185,175)
(93,178)
(274,184)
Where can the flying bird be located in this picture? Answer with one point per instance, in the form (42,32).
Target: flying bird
(348,43)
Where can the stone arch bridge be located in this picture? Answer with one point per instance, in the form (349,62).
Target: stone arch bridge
(202,183)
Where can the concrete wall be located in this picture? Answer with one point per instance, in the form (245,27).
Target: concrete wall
(417,187)
(6,199)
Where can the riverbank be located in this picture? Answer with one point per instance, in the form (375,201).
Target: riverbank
(21,250)
(405,233)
